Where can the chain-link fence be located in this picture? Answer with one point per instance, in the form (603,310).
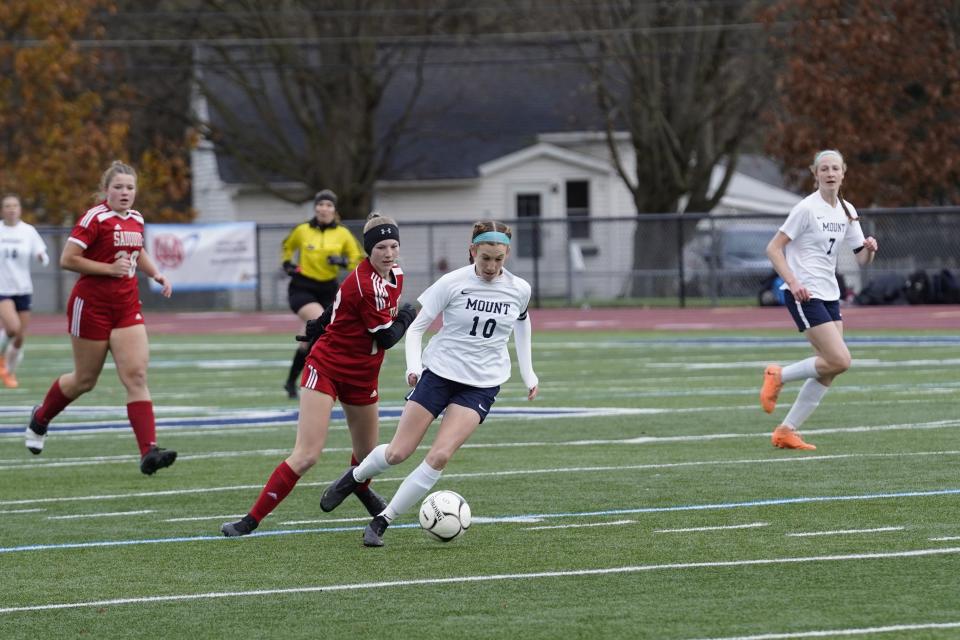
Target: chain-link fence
(667,259)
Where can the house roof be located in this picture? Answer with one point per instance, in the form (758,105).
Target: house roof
(479,111)
(469,113)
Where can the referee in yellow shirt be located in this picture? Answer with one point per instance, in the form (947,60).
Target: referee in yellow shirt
(324,248)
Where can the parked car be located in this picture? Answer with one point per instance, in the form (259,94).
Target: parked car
(729,259)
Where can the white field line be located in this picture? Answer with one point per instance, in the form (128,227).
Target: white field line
(945,538)
(580,526)
(324,521)
(833,633)
(20,463)
(112,514)
(719,528)
(491,474)
(184,597)
(841,532)
(521,518)
(232,516)
(9,511)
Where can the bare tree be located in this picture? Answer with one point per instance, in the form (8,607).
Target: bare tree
(687,79)
(295,87)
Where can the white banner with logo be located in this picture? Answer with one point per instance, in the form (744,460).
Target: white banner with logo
(204,257)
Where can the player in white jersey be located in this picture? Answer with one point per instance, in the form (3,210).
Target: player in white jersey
(804,253)
(20,244)
(459,375)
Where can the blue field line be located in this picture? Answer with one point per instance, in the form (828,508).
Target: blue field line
(205,422)
(514,518)
(260,418)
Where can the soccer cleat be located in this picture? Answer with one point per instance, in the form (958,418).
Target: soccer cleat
(241,527)
(373,533)
(155,459)
(338,491)
(373,502)
(9,380)
(291,388)
(3,365)
(770,391)
(35,433)
(786,438)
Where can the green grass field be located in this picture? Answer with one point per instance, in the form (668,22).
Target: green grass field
(657,510)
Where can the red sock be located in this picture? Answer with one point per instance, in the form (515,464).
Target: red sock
(53,403)
(140,414)
(365,486)
(278,487)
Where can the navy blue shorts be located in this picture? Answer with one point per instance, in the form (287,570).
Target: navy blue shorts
(22,303)
(813,312)
(436,393)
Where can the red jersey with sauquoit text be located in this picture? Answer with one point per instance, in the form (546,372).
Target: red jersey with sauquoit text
(365,304)
(105,236)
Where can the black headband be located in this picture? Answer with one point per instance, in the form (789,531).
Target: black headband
(378,233)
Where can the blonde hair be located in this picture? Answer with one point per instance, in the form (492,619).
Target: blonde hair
(375,220)
(116,168)
(813,169)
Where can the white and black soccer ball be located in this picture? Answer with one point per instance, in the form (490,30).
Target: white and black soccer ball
(444,515)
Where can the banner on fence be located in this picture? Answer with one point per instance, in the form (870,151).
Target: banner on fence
(205,257)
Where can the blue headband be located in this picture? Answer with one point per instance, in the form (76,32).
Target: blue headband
(496,237)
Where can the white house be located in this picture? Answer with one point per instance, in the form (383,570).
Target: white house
(508,142)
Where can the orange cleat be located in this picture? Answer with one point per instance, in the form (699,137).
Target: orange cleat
(9,380)
(3,366)
(770,390)
(786,438)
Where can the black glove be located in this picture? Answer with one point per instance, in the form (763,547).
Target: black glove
(289,268)
(406,314)
(338,261)
(312,331)
(316,327)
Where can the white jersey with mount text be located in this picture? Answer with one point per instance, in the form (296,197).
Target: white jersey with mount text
(478,317)
(818,232)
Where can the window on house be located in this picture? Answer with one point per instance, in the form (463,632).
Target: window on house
(578,208)
(527,236)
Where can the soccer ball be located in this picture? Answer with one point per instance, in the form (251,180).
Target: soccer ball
(444,515)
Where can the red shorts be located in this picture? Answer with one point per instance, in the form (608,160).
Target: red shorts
(94,320)
(313,378)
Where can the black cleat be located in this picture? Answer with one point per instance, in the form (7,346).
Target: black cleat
(291,388)
(373,502)
(373,534)
(241,527)
(156,458)
(35,433)
(338,491)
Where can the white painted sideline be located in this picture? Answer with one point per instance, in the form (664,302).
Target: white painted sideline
(482,578)
(840,532)
(487,474)
(831,633)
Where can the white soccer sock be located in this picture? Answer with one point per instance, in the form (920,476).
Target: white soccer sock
(3,340)
(807,400)
(13,357)
(800,370)
(412,489)
(373,465)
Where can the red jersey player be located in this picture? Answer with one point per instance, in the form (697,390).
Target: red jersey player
(365,319)
(103,313)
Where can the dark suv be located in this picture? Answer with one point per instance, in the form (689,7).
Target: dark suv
(730,260)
